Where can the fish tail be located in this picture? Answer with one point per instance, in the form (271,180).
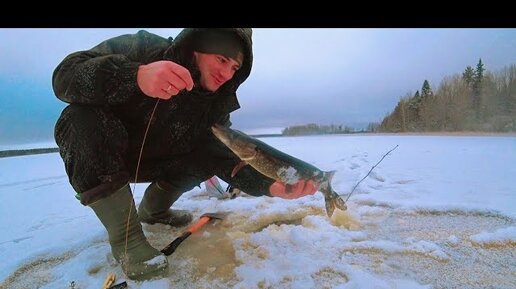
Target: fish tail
(330,206)
(328,176)
(339,202)
(332,199)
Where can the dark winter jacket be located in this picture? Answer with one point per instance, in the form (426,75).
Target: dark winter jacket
(105,76)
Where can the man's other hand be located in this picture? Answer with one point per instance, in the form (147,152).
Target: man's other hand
(297,190)
(163,79)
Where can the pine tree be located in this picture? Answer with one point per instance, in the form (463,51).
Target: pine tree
(468,75)
(478,77)
(426,91)
(479,72)
(477,87)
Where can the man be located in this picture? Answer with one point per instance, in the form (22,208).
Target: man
(113,91)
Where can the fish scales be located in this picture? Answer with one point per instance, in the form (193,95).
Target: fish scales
(278,165)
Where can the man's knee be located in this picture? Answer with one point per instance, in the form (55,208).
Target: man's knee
(94,124)
(92,143)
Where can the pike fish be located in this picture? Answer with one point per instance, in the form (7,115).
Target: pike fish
(278,165)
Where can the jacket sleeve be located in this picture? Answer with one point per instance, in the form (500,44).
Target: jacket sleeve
(105,74)
(225,121)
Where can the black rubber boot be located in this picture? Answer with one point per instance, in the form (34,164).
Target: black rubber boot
(155,207)
(139,260)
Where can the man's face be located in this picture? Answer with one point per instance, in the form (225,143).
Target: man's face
(216,69)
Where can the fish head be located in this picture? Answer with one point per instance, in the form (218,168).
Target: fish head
(236,141)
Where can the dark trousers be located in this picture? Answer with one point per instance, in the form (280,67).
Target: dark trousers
(95,148)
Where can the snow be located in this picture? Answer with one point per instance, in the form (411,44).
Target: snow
(498,237)
(438,212)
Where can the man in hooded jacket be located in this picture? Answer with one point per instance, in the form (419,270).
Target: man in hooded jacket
(113,91)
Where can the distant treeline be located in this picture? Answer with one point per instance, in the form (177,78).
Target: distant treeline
(12,153)
(476,100)
(312,128)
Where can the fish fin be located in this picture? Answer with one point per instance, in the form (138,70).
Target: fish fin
(334,200)
(237,168)
(329,175)
(330,206)
(340,203)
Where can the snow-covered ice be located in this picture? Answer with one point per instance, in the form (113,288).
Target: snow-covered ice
(438,212)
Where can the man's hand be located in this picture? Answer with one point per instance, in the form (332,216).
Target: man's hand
(163,79)
(297,190)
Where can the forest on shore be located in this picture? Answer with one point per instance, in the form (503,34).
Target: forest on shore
(476,100)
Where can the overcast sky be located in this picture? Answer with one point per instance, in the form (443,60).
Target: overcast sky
(339,76)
